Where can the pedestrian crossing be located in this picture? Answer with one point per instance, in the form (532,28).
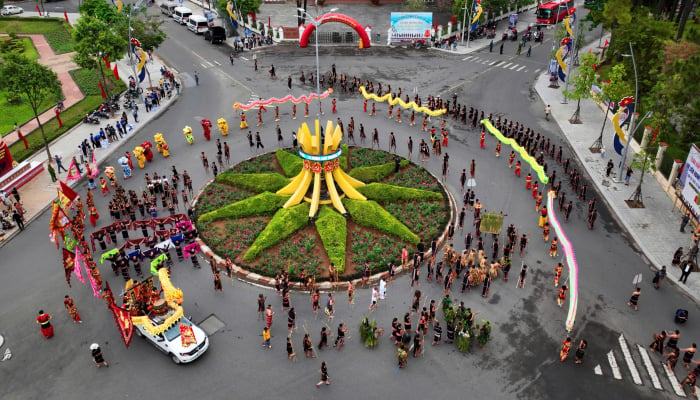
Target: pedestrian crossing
(645,373)
(499,64)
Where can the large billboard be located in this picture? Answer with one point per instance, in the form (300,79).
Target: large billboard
(408,26)
(690,181)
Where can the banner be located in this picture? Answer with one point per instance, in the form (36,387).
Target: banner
(187,335)
(690,181)
(116,72)
(73,172)
(68,264)
(408,26)
(5,158)
(94,170)
(58,223)
(123,319)
(141,68)
(477,15)
(66,195)
(80,258)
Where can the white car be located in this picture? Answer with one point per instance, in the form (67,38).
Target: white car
(170,342)
(9,10)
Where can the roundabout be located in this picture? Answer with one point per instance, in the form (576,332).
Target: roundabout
(282,211)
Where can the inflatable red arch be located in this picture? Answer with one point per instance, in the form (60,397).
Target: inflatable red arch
(349,21)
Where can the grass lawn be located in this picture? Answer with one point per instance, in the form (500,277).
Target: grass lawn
(29,49)
(20,113)
(56,30)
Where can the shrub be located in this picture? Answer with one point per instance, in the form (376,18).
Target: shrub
(291,164)
(372,215)
(343,160)
(285,222)
(376,173)
(384,193)
(255,182)
(263,204)
(332,229)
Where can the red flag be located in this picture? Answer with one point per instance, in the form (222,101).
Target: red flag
(68,263)
(66,195)
(106,59)
(123,319)
(38,10)
(65,14)
(606,43)
(116,72)
(103,90)
(108,295)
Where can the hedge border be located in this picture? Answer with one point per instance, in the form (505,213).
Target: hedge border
(262,204)
(370,214)
(332,228)
(263,182)
(383,193)
(291,164)
(284,223)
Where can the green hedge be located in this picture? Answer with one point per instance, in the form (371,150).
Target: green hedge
(372,215)
(290,164)
(256,182)
(343,160)
(383,193)
(332,229)
(375,173)
(263,204)
(285,222)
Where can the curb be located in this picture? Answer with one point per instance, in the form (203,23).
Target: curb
(325,286)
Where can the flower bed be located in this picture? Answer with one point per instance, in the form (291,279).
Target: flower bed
(232,237)
(256,165)
(415,177)
(269,182)
(218,195)
(301,250)
(424,218)
(377,249)
(364,157)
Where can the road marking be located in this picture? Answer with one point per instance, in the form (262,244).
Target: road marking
(598,370)
(650,368)
(486,62)
(505,66)
(519,69)
(630,362)
(243,58)
(493,62)
(513,67)
(466,58)
(203,65)
(217,63)
(674,381)
(476,59)
(537,70)
(500,63)
(613,364)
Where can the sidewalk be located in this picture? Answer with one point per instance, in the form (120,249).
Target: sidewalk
(40,192)
(645,225)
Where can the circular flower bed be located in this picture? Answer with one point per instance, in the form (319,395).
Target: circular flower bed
(241,216)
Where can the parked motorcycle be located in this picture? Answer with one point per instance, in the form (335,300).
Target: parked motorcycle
(90,119)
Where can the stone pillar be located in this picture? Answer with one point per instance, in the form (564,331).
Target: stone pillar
(674,172)
(368,29)
(449,28)
(660,154)
(301,30)
(439,32)
(281,31)
(388,36)
(459,26)
(645,137)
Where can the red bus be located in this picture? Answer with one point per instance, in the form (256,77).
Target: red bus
(555,11)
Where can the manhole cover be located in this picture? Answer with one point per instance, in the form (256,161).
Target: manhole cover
(211,324)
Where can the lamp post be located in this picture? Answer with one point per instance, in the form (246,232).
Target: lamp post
(136,5)
(317,21)
(464,21)
(632,121)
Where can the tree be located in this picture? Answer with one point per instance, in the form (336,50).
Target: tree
(95,40)
(615,89)
(582,82)
(35,83)
(645,161)
(100,9)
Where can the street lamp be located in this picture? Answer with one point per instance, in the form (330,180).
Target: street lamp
(632,122)
(136,5)
(317,21)
(464,20)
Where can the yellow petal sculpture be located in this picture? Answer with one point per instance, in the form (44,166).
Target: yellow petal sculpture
(321,157)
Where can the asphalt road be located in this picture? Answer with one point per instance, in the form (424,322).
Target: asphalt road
(520,362)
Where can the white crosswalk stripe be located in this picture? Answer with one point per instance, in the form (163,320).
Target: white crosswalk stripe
(506,66)
(630,362)
(486,62)
(650,368)
(647,363)
(513,67)
(493,62)
(537,70)
(520,69)
(467,58)
(497,63)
